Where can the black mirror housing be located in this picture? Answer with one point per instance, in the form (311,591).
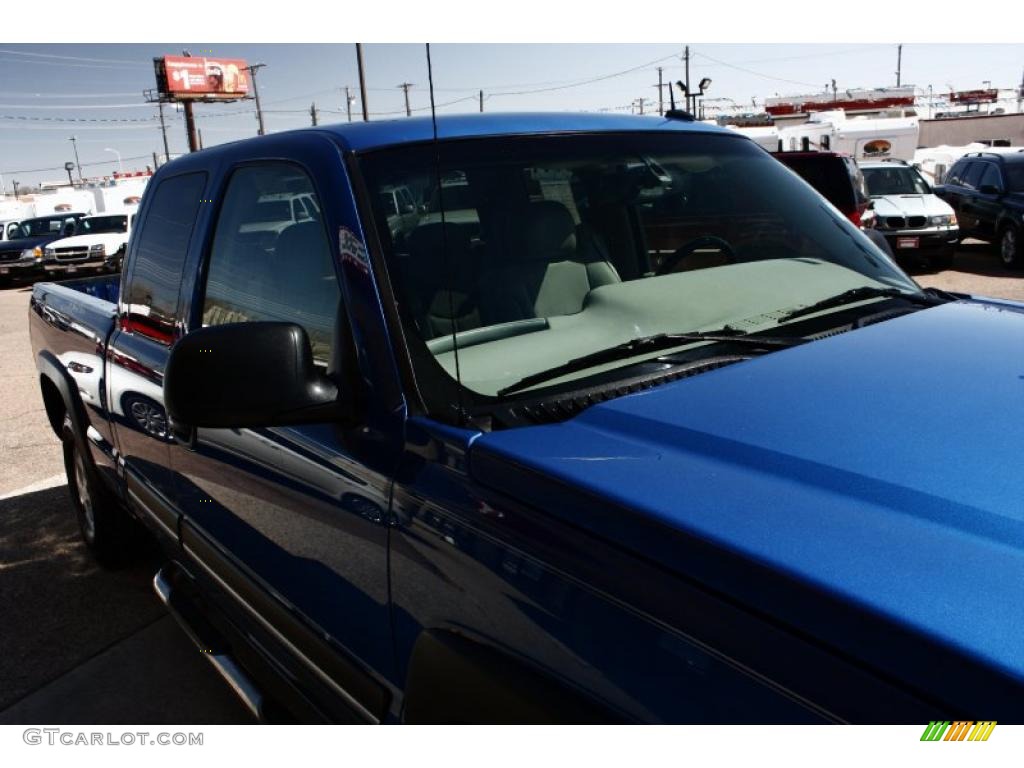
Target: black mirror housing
(257,374)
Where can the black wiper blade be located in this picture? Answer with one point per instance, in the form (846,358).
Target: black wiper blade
(860,294)
(649,344)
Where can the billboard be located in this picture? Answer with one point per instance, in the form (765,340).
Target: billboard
(201,77)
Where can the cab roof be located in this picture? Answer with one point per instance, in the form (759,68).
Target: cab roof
(364,136)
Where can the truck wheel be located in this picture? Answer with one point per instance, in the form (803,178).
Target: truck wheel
(103,524)
(1009,247)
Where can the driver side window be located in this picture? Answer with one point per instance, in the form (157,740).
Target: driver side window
(262,268)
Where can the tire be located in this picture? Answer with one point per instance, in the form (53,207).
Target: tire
(1010,247)
(103,524)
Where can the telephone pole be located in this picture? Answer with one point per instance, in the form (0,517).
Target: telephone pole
(163,130)
(255,92)
(899,63)
(312,112)
(405,89)
(482,100)
(686,58)
(661,98)
(190,126)
(348,102)
(362,81)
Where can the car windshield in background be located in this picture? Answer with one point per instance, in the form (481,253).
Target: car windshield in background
(95,225)
(1014,176)
(569,245)
(45,226)
(898,180)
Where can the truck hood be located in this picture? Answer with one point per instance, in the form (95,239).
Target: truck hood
(879,469)
(110,240)
(911,205)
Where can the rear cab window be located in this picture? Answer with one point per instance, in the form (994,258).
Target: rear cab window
(151,296)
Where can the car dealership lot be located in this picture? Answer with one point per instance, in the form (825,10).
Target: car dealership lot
(81,644)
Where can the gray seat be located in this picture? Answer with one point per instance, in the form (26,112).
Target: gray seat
(548,270)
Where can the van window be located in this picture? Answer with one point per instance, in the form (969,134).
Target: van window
(151,300)
(972,174)
(284,275)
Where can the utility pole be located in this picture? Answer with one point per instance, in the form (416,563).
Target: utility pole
(348,102)
(163,130)
(362,81)
(661,98)
(255,92)
(405,89)
(686,58)
(74,143)
(482,100)
(312,112)
(899,63)
(835,90)
(15,189)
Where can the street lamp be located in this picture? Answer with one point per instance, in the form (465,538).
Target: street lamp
(69,167)
(119,166)
(703,85)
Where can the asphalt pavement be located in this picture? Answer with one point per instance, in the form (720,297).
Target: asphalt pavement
(80,644)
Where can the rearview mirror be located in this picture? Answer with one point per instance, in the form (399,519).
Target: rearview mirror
(249,375)
(990,189)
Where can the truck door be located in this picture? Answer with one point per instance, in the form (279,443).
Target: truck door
(139,347)
(292,519)
(986,205)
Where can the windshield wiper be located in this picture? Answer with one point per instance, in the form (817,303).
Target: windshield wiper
(860,294)
(644,344)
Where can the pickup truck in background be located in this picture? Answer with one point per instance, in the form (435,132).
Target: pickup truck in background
(23,253)
(522,466)
(99,244)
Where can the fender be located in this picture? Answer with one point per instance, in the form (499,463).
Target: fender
(453,679)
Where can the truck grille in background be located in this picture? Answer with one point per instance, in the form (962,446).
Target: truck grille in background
(909,222)
(10,255)
(71,254)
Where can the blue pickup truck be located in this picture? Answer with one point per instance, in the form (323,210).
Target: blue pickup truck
(620,421)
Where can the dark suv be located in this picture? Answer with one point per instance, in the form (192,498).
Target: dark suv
(986,190)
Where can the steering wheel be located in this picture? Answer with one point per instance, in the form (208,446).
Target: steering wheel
(704,241)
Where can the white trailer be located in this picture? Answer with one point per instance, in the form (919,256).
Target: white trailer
(861,138)
(766,136)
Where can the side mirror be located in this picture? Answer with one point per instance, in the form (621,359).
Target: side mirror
(249,375)
(990,189)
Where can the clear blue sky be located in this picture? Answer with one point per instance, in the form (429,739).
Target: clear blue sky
(93,81)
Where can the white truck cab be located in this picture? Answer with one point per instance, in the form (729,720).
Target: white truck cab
(100,245)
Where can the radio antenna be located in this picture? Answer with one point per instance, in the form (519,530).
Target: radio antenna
(444,241)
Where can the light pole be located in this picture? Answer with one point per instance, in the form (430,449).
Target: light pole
(74,143)
(69,167)
(15,182)
(119,166)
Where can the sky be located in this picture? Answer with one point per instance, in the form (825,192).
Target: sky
(94,91)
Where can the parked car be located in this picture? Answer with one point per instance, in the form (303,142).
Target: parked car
(986,190)
(523,467)
(99,244)
(839,180)
(22,255)
(915,221)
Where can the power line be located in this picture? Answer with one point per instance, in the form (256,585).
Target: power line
(33,54)
(755,73)
(578,83)
(45,118)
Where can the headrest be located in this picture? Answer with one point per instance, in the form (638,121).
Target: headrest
(544,231)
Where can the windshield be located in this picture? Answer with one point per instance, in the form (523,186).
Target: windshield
(47,225)
(897,180)
(96,225)
(577,243)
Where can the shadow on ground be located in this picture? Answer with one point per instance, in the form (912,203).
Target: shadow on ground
(80,644)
